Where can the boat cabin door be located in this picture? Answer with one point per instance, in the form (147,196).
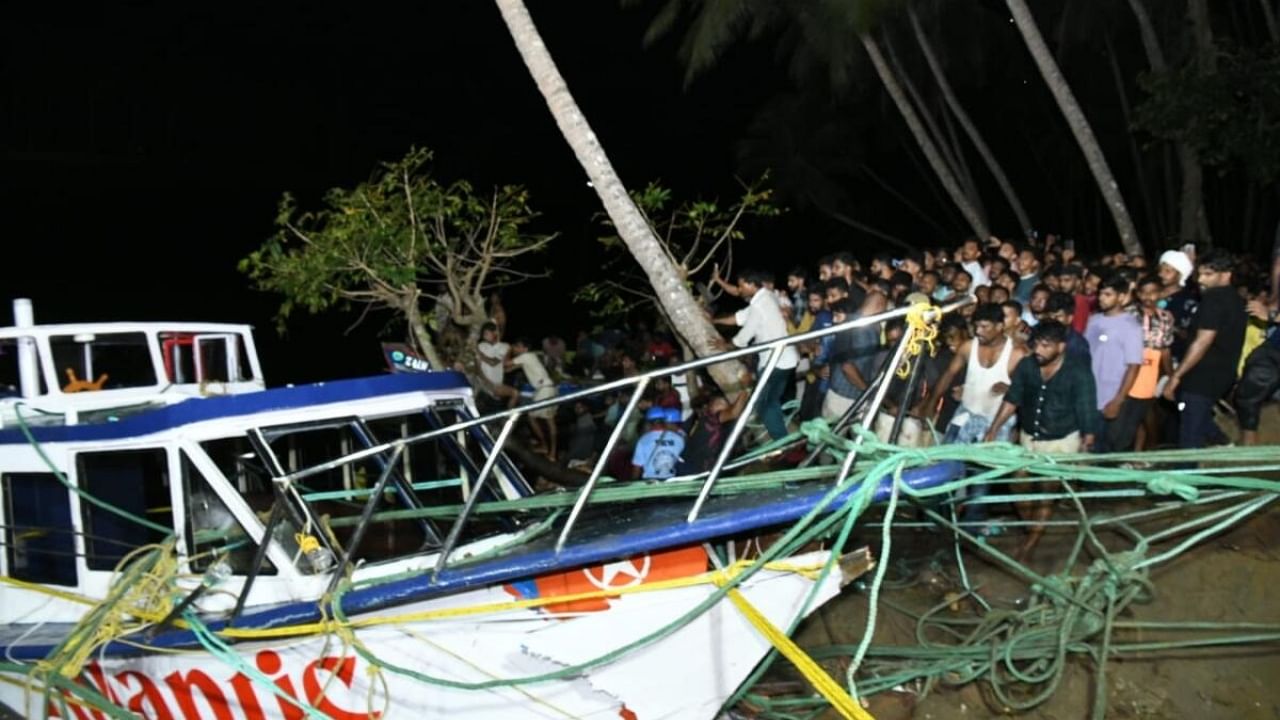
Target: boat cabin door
(217,358)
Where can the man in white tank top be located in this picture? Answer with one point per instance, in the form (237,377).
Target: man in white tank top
(987,361)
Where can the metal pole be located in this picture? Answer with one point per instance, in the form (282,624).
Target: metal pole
(362,526)
(609,386)
(869,416)
(259,555)
(456,531)
(585,492)
(725,451)
(846,417)
(907,396)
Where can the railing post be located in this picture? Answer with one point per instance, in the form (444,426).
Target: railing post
(886,379)
(370,506)
(585,492)
(456,531)
(725,451)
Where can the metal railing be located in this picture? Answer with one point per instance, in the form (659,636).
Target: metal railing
(637,384)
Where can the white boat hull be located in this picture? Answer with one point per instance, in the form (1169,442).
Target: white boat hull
(686,673)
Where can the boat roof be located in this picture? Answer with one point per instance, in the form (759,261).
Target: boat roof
(119,327)
(194,410)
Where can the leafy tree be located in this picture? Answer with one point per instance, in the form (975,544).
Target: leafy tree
(695,235)
(403,241)
(1230,115)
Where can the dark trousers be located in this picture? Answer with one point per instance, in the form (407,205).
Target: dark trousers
(1196,427)
(769,406)
(1258,382)
(1119,433)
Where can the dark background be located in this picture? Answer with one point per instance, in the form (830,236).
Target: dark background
(145,146)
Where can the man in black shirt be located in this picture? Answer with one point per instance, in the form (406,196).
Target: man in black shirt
(1053,392)
(1208,370)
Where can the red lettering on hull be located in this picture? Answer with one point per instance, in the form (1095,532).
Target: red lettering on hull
(192,694)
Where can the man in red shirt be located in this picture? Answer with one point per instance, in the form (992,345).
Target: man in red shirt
(1071,282)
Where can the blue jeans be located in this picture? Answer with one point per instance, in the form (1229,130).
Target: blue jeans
(769,406)
(973,430)
(1196,427)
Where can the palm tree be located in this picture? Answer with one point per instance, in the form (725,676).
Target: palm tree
(1078,123)
(813,34)
(678,304)
(966,123)
(918,131)
(1193,221)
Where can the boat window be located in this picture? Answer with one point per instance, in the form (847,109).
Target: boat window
(136,481)
(199,358)
(212,530)
(439,469)
(39,539)
(179,358)
(339,494)
(10,374)
(102,361)
(433,473)
(217,358)
(241,466)
(246,367)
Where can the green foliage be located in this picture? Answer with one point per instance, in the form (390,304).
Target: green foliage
(1231,117)
(814,37)
(394,241)
(696,234)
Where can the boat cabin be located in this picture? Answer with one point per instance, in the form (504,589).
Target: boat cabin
(59,373)
(178,438)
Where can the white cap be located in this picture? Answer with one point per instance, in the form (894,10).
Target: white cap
(1179,261)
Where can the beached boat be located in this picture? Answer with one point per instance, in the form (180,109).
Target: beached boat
(182,541)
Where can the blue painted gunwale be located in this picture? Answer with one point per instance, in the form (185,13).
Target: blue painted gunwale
(607,534)
(187,412)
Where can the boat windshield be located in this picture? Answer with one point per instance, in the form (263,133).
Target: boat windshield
(241,466)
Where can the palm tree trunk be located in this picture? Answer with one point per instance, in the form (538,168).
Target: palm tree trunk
(984,151)
(897,195)
(948,180)
(950,151)
(1269,18)
(1147,31)
(1153,218)
(687,317)
(1193,222)
(1078,123)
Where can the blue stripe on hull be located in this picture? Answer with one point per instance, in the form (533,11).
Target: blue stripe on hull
(610,534)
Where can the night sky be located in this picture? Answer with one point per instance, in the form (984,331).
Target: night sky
(146,144)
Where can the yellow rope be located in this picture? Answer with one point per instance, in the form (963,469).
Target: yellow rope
(52,592)
(821,681)
(325,626)
(921,331)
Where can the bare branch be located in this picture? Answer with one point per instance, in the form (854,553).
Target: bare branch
(724,237)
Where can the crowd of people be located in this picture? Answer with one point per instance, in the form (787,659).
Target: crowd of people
(1056,352)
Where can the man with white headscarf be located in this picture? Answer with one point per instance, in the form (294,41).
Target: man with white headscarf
(1175,269)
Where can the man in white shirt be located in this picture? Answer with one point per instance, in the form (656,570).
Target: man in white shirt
(971,261)
(543,389)
(492,356)
(761,321)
